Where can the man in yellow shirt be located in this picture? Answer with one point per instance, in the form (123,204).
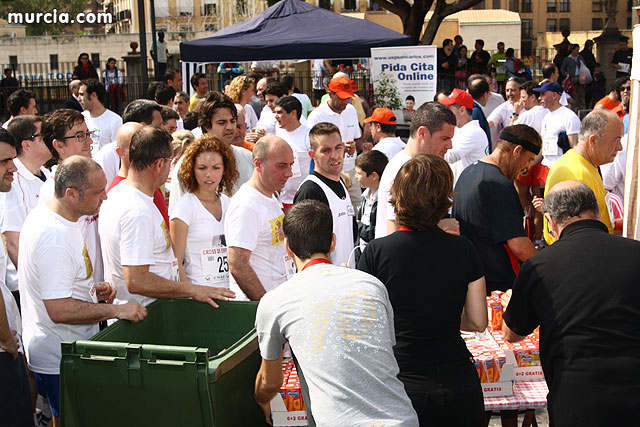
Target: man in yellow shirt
(200,85)
(598,144)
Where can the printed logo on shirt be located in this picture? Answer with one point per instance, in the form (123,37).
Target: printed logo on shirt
(165,230)
(87,261)
(277,234)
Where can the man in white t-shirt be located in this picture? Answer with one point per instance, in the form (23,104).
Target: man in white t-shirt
(267,123)
(22,102)
(288,82)
(55,128)
(431,131)
(528,110)
(217,116)
(339,111)
(143,111)
(383,131)
(258,261)
(288,113)
(27,180)
(59,296)
(311,312)
(501,117)
(15,400)
(559,119)
(102,122)
(469,142)
(325,185)
(136,245)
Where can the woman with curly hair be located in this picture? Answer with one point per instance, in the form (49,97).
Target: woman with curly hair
(241,89)
(197,221)
(436,287)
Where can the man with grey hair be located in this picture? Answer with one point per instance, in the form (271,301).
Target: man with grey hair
(432,128)
(58,293)
(73,102)
(598,143)
(583,292)
(258,260)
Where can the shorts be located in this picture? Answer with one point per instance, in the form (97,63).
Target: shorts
(15,398)
(536,176)
(49,386)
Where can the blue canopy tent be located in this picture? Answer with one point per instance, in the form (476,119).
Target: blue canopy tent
(289,30)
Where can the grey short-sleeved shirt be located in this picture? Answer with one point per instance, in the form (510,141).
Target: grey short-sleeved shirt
(339,324)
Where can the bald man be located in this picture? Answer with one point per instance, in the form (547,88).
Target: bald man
(583,292)
(258,260)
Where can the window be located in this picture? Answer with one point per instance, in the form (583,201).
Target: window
(209,9)
(551,6)
(241,7)
(526,29)
(185,8)
(527,48)
(53,62)
(564,5)
(526,6)
(211,27)
(513,5)
(161,8)
(350,5)
(552,25)
(325,4)
(496,4)
(564,24)
(95,59)
(596,6)
(596,24)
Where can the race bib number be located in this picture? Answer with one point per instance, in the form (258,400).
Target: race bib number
(289,266)
(550,146)
(501,69)
(215,266)
(624,68)
(175,271)
(349,162)
(295,168)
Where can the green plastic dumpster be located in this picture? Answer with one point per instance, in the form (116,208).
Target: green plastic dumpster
(187,364)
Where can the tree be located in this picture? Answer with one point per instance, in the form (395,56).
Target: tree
(29,9)
(412,16)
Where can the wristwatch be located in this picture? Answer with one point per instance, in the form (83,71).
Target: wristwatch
(514,114)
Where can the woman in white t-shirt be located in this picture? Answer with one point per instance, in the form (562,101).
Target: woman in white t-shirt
(197,222)
(241,89)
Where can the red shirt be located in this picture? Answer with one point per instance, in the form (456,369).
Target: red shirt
(158,198)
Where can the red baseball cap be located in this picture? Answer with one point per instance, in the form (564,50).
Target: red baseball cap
(459,97)
(382,115)
(342,87)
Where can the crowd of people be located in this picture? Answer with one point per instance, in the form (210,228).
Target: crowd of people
(368,253)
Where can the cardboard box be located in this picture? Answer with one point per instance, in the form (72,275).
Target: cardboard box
(282,417)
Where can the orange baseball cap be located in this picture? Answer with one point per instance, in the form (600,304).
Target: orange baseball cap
(342,87)
(459,97)
(382,115)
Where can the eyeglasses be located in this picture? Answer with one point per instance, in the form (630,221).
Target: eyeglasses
(625,88)
(33,137)
(81,137)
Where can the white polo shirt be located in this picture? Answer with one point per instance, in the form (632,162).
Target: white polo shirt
(23,196)
(347,122)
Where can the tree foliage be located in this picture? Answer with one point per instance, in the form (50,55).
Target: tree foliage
(412,15)
(72,7)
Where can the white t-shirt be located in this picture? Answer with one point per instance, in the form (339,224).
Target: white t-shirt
(495,99)
(108,158)
(88,225)
(197,132)
(11,308)
(250,116)
(385,210)
(162,51)
(254,222)
(501,117)
(532,117)
(307,107)
(206,245)
(613,173)
(469,144)
(133,233)
(390,146)
(562,119)
(267,120)
(104,128)
(319,70)
(23,196)
(298,140)
(53,264)
(347,122)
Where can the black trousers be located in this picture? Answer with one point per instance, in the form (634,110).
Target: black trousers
(15,398)
(446,394)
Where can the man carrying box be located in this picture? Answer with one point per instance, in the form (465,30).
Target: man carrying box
(339,324)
